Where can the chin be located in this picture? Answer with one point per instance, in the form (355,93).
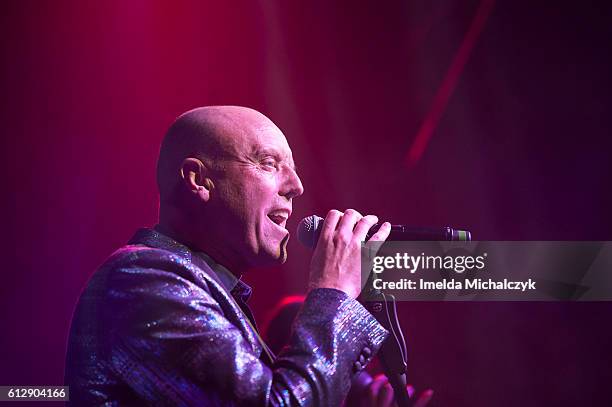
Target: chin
(277,254)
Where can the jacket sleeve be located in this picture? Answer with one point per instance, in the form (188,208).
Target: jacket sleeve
(171,342)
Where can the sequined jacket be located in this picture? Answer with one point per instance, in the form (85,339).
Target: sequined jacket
(155,325)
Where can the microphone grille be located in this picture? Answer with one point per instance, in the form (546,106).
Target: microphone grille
(308,230)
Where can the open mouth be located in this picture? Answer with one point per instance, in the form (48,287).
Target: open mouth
(279,218)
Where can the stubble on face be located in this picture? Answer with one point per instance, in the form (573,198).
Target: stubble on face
(249,200)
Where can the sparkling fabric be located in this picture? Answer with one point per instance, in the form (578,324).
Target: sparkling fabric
(156,326)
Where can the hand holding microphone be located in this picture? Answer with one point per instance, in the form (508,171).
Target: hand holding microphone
(343,234)
(336,261)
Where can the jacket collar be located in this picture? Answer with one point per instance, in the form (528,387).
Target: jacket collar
(155,238)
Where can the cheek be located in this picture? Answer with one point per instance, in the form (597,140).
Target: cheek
(229,204)
(250,194)
(246,201)
(259,192)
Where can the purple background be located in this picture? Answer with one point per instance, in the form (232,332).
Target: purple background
(507,101)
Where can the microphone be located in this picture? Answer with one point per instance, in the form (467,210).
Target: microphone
(309,230)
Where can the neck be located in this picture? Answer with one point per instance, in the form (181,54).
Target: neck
(190,234)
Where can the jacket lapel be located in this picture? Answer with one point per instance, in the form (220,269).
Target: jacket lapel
(155,239)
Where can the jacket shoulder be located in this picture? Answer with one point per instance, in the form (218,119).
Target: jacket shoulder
(131,258)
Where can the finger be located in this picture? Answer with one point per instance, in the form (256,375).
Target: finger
(382,234)
(363,227)
(374,388)
(375,242)
(410,390)
(348,221)
(424,398)
(330,223)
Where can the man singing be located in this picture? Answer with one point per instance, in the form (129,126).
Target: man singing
(165,319)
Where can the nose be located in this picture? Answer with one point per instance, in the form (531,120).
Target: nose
(292,184)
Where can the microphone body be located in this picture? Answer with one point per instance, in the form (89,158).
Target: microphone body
(414,233)
(309,230)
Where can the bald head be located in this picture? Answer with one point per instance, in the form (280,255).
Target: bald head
(211,134)
(227,179)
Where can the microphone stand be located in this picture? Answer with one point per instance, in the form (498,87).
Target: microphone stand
(393,353)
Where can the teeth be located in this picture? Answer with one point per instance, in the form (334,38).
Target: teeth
(277,218)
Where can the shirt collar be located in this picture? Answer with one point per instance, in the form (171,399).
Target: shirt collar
(232,283)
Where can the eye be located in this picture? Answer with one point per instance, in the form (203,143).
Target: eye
(269,163)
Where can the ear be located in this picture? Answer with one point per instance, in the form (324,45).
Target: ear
(194,177)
